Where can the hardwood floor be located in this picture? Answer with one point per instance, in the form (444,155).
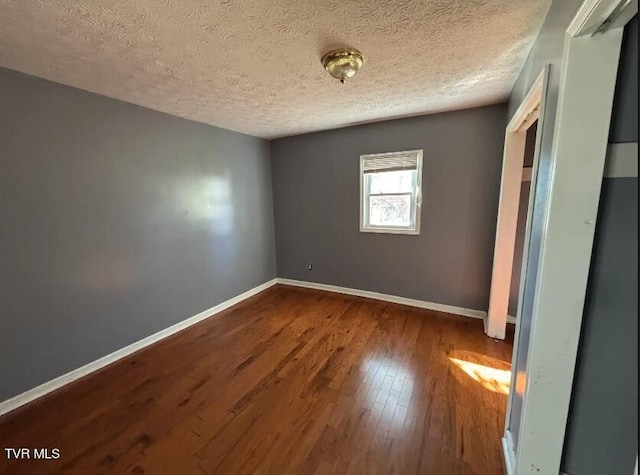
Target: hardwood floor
(289,381)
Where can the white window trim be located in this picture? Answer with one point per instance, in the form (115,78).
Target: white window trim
(418,198)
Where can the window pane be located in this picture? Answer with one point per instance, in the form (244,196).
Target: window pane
(400,181)
(394,210)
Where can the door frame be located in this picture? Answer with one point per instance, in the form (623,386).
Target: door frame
(535,100)
(588,75)
(530,110)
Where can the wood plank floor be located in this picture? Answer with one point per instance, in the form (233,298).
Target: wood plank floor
(289,381)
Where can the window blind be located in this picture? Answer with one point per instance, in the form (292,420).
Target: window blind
(390,162)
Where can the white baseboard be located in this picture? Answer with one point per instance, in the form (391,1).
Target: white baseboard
(465,312)
(509,453)
(510,320)
(49,386)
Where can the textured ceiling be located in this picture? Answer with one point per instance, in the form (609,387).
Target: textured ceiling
(254,66)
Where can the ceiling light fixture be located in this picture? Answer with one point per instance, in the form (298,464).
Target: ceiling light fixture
(343,63)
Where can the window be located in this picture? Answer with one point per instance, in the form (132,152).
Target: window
(390,194)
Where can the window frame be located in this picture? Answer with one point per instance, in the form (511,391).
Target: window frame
(416,197)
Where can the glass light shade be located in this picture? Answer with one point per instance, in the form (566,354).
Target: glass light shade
(343,64)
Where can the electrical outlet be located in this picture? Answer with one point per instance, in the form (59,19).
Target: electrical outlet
(310,267)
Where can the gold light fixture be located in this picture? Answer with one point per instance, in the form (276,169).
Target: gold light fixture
(343,63)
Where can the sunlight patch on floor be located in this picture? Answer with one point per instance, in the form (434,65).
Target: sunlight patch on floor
(493,379)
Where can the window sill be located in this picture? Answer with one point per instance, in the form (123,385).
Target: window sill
(412,232)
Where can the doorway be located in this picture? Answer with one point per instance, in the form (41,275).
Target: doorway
(521,225)
(519,166)
(558,245)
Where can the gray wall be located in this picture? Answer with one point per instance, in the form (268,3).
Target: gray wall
(116,222)
(316,203)
(624,122)
(547,49)
(602,432)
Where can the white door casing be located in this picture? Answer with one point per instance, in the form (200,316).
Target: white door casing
(580,136)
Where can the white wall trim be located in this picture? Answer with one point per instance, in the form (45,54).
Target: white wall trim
(624,14)
(438,307)
(542,127)
(622,160)
(590,16)
(511,320)
(509,453)
(594,15)
(54,384)
(580,138)
(531,109)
